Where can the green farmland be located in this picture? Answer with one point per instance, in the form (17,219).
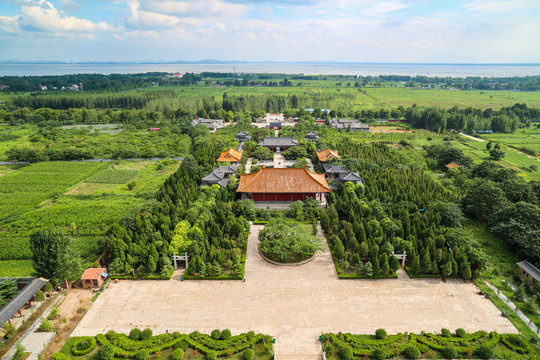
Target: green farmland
(371,97)
(82,198)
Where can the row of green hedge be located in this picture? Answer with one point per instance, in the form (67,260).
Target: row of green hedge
(144,277)
(124,347)
(341,275)
(477,343)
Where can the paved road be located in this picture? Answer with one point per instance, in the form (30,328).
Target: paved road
(294,304)
(472,137)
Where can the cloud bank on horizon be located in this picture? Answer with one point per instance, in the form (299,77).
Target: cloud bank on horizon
(458,31)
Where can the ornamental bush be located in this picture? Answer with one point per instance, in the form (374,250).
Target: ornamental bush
(142,354)
(135,334)
(40,296)
(216,334)
(146,334)
(345,352)
(461,333)
(378,354)
(449,353)
(226,334)
(484,352)
(59,356)
(106,352)
(177,354)
(412,352)
(516,343)
(182,344)
(211,355)
(84,346)
(380,334)
(423,348)
(248,354)
(446,333)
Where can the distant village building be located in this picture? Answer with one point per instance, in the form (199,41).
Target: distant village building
(243,136)
(353,124)
(278,143)
(94,277)
(327,154)
(283,184)
(230,155)
(211,124)
(312,136)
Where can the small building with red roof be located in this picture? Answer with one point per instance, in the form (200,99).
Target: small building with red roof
(230,155)
(94,277)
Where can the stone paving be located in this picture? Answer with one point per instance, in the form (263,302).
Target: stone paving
(294,304)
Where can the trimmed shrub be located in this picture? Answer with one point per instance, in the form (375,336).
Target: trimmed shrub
(106,352)
(345,352)
(216,334)
(84,346)
(423,348)
(516,343)
(146,334)
(449,353)
(142,354)
(249,354)
(484,352)
(412,352)
(177,354)
(45,326)
(379,354)
(40,296)
(211,355)
(461,333)
(380,334)
(226,334)
(182,344)
(446,333)
(59,356)
(135,334)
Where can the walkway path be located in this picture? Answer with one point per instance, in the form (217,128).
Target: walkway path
(279,161)
(295,305)
(310,165)
(249,163)
(34,342)
(472,137)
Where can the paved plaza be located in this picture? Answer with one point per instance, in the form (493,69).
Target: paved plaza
(294,304)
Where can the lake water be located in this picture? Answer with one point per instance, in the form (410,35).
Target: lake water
(441,70)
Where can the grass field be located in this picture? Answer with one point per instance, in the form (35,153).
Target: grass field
(81,206)
(528,138)
(374,97)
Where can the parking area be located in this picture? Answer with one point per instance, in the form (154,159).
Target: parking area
(294,304)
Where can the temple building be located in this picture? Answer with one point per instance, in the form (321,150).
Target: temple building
(283,184)
(278,143)
(327,154)
(230,155)
(312,136)
(243,136)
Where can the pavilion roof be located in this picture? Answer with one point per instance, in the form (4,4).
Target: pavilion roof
(21,298)
(230,155)
(278,141)
(283,180)
(326,154)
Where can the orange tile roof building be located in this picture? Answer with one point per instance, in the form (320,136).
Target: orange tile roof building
(327,154)
(230,155)
(93,277)
(452,165)
(288,184)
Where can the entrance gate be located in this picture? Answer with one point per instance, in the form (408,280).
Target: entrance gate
(176,258)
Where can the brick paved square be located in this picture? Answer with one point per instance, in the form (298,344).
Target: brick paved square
(294,304)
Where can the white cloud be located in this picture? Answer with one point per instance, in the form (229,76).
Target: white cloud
(43,16)
(500,6)
(9,24)
(385,7)
(69,5)
(200,8)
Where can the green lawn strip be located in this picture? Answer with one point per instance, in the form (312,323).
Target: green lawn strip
(514,319)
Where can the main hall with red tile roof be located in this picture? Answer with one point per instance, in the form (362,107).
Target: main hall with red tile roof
(283,184)
(230,155)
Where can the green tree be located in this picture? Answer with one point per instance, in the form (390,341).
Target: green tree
(496,154)
(53,255)
(415,265)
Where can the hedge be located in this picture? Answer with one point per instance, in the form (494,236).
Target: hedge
(358,276)
(91,345)
(516,343)
(124,347)
(143,277)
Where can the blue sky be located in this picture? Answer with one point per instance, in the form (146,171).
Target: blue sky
(441,31)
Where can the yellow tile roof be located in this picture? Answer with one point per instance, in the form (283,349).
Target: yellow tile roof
(287,180)
(326,154)
(230,155)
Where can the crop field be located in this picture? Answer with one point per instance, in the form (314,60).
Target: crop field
(112,176)
(52,197)
(374,97)
(529,138)
(32,184)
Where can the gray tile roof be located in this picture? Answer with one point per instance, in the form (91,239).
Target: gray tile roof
(278,141)
(335,169)
(530,269)
(21,299)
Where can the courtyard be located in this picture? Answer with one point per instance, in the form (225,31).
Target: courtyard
(295,304)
